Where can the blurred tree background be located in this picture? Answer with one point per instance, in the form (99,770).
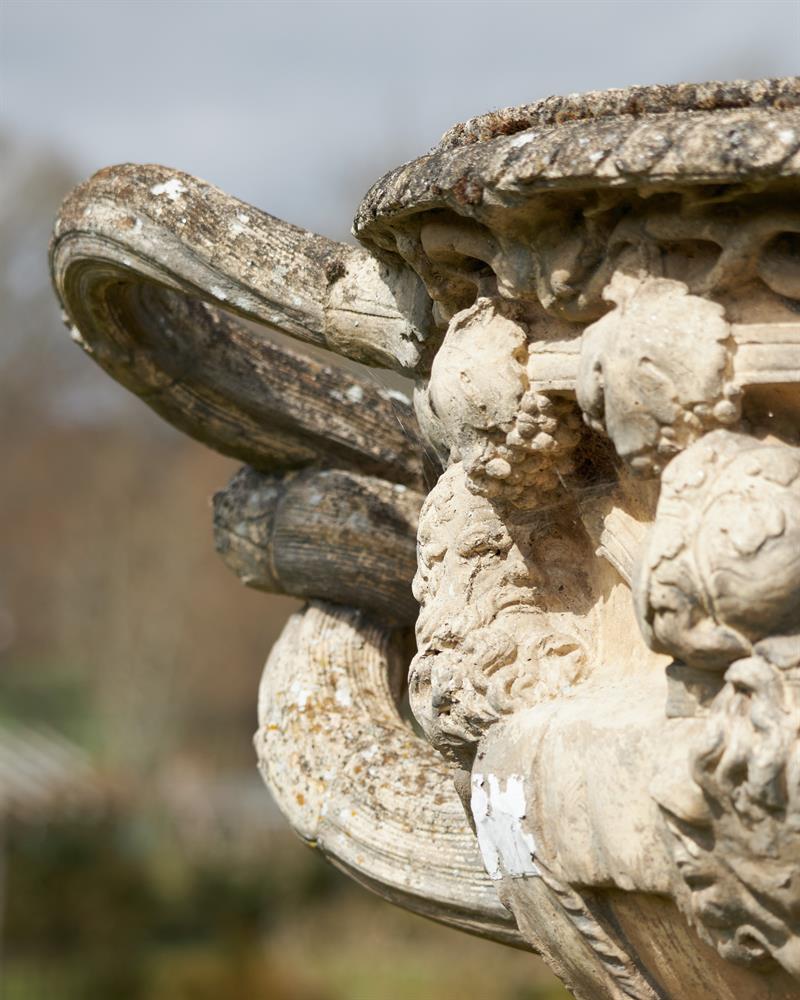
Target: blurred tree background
(140,856)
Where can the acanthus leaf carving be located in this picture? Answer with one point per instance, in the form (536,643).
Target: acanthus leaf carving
(721,569)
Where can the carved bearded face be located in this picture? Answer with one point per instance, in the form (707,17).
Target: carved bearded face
(493,634)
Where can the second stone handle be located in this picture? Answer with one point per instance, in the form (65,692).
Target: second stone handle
(327,534)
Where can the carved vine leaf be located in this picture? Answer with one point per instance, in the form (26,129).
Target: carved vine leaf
(656,372)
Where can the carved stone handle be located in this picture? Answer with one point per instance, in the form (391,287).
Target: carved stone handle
(354,780)
(139,254)
(186,234)
(323,533)
(142,260)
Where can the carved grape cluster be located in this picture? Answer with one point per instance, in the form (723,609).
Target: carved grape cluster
(533,457)
(516,443)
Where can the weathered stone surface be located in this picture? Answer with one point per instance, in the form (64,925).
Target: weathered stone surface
(356,783)
(686,133)
(599,299)
(633,102)
(145,260)
(322,534)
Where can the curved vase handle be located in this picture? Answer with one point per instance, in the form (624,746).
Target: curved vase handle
(356,782)
(148,261)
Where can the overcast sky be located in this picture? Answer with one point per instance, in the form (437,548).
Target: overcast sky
(298,107)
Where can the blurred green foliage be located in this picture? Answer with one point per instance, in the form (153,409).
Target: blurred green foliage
(94,910)
(109,908)
(56,695)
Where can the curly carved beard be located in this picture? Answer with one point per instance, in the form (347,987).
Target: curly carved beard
(739,855)
(494,634)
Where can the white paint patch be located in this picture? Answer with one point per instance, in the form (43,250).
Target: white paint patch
(137,226)
(299,695)
(398,396)
(521,140)
(342,696)
(238,224)
(172,188)
(75,336)
(355,394)
(505,847)
(218,293)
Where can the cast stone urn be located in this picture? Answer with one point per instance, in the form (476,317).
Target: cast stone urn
(596,492)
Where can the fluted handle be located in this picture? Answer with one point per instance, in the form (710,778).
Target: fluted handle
(357,783)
